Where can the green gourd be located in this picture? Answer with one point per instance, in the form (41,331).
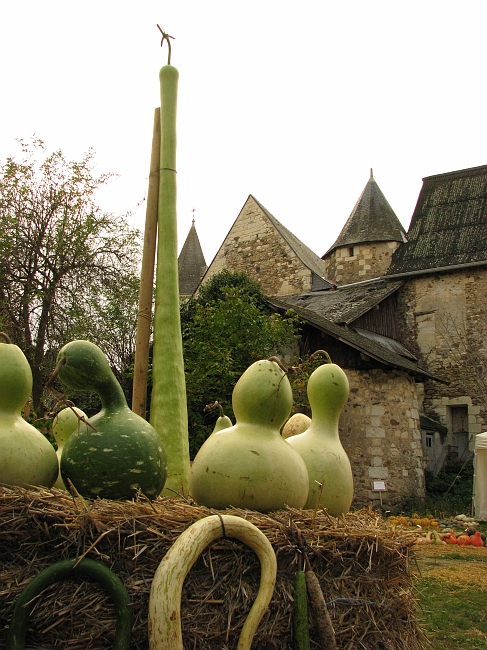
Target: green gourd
(84,569)
(223,421)
(117,453)
(249,465)
(26,455)
(329,470)
(63,425)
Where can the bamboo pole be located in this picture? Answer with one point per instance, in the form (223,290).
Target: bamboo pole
(144,316)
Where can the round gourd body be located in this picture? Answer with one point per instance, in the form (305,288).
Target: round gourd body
(249,465)
(63,425)
(297,423)
(26,456)
(123,455)
(320,447)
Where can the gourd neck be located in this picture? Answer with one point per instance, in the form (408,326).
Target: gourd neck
(111,394)
(325,422)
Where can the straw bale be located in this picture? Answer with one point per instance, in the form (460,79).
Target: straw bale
(361,561)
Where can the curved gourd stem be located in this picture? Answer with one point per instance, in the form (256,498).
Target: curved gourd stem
(165,595)
(5,337)
(72,569)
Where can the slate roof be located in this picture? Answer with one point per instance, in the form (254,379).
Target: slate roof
(449,223)
(191,264)
(372,348)
(371,220)
(345,304)
(312,261)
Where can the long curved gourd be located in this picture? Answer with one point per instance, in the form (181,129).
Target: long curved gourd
(26,455)
(328,465)
(86,570)
(165,595)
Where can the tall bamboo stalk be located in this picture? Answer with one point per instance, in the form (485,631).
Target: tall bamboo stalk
(144,317)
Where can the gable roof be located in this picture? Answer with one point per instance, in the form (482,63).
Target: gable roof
(449,223)
(191,264)
(345,304)
(373,348)
(311,260)
(371,220)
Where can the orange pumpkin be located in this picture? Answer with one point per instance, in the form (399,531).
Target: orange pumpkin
(463,540)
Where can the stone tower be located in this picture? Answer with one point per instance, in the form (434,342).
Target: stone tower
(367,241)
(191,264)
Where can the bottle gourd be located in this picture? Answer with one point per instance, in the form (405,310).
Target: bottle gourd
(117,453)
(63,425)
(320,447)
(26,455)
(249,465)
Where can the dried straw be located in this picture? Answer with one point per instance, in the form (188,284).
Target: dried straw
(361,561)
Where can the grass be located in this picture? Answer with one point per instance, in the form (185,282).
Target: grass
(455,617)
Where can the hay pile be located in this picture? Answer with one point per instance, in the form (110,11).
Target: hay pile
(363,565)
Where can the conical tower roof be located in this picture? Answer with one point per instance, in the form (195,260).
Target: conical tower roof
(371,220)
(191,264)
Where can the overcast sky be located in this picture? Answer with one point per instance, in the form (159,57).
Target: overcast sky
(292,102)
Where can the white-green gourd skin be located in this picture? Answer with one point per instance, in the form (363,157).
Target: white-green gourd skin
(63,425)
(168,412)
(320,447)
(123,453)
(26,456)
(250,465)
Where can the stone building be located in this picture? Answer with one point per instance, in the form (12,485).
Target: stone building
(403,313)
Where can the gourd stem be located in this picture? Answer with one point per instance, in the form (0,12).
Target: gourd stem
(6,337)
(166,37)
(322,352)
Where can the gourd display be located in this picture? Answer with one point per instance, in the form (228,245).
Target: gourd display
(117,453)
(63,425)
(26,455)
(329,470)
(167,584)
(249,465)
(84,569)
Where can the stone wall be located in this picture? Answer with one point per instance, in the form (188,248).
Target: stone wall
(347,264)
(380,431)
(255,247)
(445,325)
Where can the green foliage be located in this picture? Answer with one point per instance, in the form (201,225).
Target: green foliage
(225,329)
(68,269)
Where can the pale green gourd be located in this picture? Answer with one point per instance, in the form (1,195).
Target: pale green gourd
(26,455)
(249,465)
(64,424)
(297,423)
(329,470)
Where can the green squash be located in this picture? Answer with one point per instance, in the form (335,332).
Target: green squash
(249,465)
(117,453)
(26,455)
(320,446)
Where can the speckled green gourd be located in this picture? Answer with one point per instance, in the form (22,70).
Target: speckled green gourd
(320,446)
(63,425)
(249,465)
(26,455)
(120,453)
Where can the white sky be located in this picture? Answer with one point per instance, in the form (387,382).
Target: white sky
(292,102)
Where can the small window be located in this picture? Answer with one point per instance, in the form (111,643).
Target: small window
(429,441)
(351,251)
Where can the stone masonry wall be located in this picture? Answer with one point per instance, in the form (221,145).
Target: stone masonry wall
(369,260)
(254,247)
(445,325)
(380,431)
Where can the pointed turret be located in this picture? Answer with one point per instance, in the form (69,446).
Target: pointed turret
(191,264)
(371,234)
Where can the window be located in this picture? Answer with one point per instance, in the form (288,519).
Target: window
(351,251)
